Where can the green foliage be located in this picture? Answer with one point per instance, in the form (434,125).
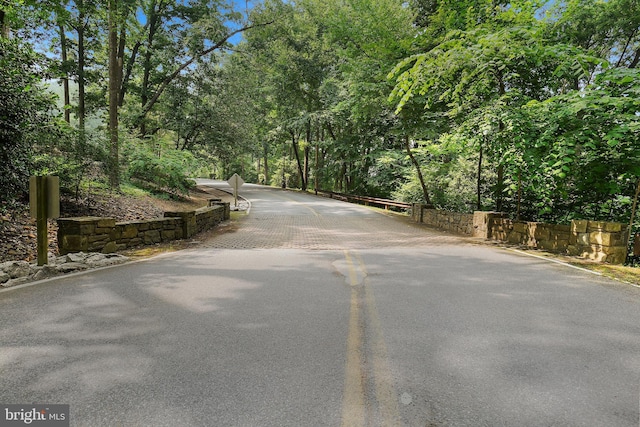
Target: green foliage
(25,115)
(74,160)
(530,112)
(588,143)
(158,166)
(284,174)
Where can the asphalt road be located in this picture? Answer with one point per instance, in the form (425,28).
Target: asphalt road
(314,312)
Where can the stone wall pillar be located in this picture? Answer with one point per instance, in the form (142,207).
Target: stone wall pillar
(85,234)
(483,223)
(417,212)
(189,224)
(599,241)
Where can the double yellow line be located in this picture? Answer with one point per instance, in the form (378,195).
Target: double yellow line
(366,364)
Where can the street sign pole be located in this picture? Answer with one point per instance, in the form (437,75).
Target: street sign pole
(235,182)
(235,193)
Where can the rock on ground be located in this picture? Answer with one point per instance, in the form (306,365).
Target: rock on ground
(13,273)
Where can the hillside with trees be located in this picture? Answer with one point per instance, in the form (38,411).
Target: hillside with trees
(528,107)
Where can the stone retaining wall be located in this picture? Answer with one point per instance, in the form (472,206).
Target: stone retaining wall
(94,234)
(454,222)
(596,240)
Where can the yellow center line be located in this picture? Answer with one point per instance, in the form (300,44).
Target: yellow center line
(385,390)
(353,405)
(313,211)
(355,399)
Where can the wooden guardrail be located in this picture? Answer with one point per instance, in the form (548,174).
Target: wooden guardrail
(365,200)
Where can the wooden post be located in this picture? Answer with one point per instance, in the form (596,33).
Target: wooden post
(44,202)
(41,220)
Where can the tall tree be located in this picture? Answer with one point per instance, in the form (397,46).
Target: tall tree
(115,69)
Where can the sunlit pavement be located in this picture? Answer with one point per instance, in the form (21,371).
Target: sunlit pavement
(317,312)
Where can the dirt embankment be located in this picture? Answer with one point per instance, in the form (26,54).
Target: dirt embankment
(18,230)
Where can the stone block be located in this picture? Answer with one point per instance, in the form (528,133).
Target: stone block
(116,234)
(540,231)
(106,223)
(134,242)
(514,237)
(547,245)
(97,246)
(593,252)
(87,229)
(151,237)
(98,238)
(583,239)
(73,243)
(616,255)
(613,249)
(189,224)
(73,225)
(520,227)
(169,223)
(573,250)
(130,231)
(596,226)
(579,226)
(480,224)
(168,235)
(109,248)
(103,230)
(416,211)
(614,227)
(601,238)
(561,245)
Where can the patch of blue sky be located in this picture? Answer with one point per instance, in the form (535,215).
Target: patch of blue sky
(242,7)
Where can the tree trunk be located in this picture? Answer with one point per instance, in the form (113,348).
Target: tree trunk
(635,60)
(633,212)
(519,195)
(499,188)
(4,25)
(317,167)
(425,192)
(65,78)
(626,46)
(146,65)
(306,167)
(81,72)
(306,156)
(343,177)
(479,183)
(294,146)
(114,90)
(500,184)
(129,69)
(266,163)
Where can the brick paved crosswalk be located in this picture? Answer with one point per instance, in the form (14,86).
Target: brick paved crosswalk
(328,233)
